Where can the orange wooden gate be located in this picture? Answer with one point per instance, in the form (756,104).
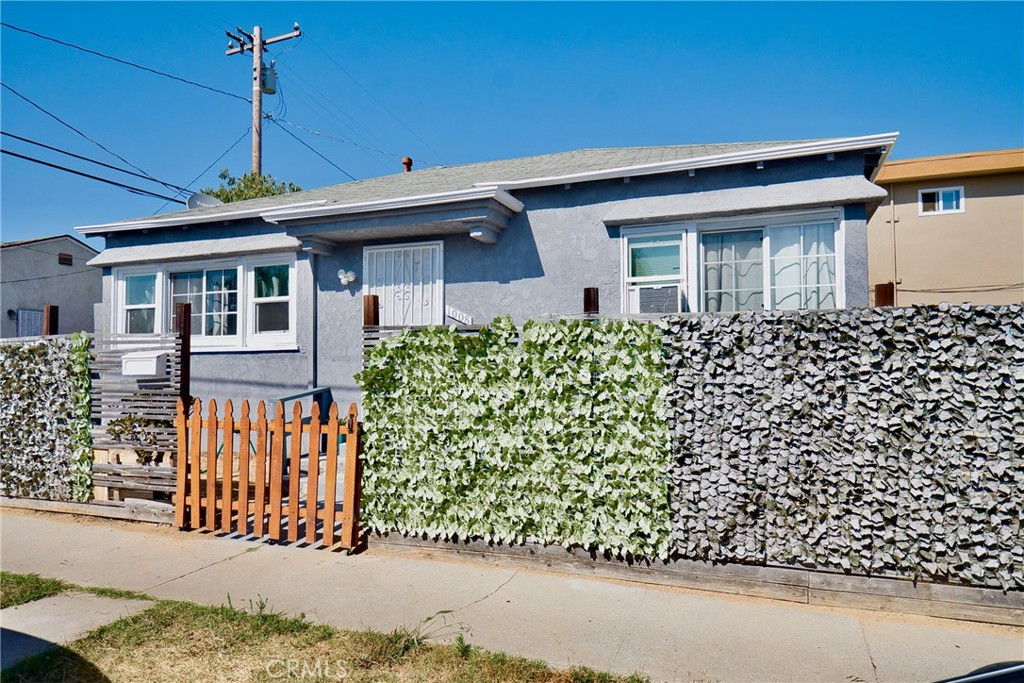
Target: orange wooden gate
(245,476)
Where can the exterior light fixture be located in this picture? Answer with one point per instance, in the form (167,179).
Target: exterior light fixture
(346,277)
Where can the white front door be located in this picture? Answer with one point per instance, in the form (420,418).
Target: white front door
(408,280)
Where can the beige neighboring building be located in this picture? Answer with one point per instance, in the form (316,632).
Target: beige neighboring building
(959,229)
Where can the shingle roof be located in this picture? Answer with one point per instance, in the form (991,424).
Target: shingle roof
(37,240)
(450,178)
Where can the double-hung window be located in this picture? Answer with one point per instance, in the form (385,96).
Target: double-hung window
(242,303)
(655,282)
(774,262)
(140,304)
(271,301)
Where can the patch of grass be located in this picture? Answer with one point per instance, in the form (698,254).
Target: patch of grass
(116,593)
(462,647)
(17,589)
(175,641)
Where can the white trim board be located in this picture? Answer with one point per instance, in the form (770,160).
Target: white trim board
(498,189)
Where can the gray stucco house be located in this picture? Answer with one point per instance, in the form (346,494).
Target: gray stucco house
(47,271)
(276,283)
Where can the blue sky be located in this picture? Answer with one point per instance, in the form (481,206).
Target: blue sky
(463,82)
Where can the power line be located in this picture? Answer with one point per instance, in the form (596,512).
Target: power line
(315,107)
(331,137)
(91,161)
(125,62)
(335,107)
(373,97)
(203,172)
(47,277)
(69,126)
(134,190)
(303,143)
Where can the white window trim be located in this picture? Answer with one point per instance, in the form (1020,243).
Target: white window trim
(940,211)
(690,232)
(269,339)
(439,314)
(246,339)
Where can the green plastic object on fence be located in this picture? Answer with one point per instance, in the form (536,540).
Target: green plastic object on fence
(555,433)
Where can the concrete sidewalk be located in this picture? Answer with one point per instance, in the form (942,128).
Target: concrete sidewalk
(34,627)
(668,634)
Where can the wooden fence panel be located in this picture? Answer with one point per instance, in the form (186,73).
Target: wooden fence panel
(244,449)
(259,504)
(276,471)
(227,460)
(194,461)
(211,467)
(313,472)
(260,479)
(294,468)
(331,475)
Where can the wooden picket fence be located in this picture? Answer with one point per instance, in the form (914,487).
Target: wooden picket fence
(243,476)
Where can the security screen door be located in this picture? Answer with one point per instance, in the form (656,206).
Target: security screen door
(408,280)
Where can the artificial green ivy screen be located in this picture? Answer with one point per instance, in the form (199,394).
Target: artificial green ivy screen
(553,433)
(45,440)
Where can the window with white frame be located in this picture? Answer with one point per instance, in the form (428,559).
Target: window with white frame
(940,200)
(803,266)
(242,303)
(140,304)
(271,301)
(733,270)
(775,262)
(654,282)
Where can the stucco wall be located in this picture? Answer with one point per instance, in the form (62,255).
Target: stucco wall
(542,261)
(32,278)
(980,247)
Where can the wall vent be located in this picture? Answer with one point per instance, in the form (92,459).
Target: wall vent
(65,259)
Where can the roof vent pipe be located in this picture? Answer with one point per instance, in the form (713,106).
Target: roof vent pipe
(407,162)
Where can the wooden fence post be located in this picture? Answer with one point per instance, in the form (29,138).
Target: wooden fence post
(183,326)
(591,305)
(371,310)
(353,484)
(50,318)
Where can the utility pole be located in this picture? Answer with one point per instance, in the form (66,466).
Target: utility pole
(254,43)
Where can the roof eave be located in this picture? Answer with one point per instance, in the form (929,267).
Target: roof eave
(498,190)
(295,213)
(884,140)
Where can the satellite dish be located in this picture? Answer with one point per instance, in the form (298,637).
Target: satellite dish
(202,201)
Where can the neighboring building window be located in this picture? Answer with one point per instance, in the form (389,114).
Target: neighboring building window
(245,303)
(654,283)
(940,200)
(140,304)
(65,259)
(30,322)
(783,263)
